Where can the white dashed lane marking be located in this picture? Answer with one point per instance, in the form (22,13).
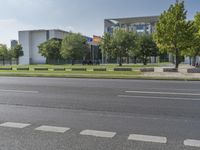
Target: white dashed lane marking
(192,143)
(19,91)
(163,93)
(14,125)
(103,134)
(147,138)
(52,129)
(160,98)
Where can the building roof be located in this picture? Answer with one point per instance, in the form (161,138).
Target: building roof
(37,30)
(146,19)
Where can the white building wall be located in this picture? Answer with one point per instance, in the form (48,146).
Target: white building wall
(187,60)
(30,40)
(24,40)
(37,38)
(57,34)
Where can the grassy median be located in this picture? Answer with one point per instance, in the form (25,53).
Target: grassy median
(89,73)
(73,74)
(108,66)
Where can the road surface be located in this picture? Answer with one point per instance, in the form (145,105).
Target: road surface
(91,114)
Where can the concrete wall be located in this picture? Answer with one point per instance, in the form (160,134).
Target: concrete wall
(30,40)
(187,60)
(24,40)
(57,34)
(37,37)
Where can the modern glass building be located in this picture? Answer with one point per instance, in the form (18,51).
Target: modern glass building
(137,24)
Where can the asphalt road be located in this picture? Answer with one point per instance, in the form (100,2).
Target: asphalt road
(89,114)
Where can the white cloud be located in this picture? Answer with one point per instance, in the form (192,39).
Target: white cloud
(69,28)
(66,28)
(9,30)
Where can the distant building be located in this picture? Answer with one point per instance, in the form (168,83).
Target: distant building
(95,51)
(30,40)
(137,24)
(13,43)
(192,61)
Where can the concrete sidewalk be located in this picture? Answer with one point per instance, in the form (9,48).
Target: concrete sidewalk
(182,72)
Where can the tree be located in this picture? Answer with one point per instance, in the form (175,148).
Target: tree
(146,47)
(106,45)
(17,52)
(3,52)
(173,33)
(74,47)
(9,55)
(197,21)
(51,50)
(122,42)
(194,50)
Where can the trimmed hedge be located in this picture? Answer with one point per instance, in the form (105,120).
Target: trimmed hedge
(41,69)
(147,69)
(193,70)
(79,69)
(22,69)
(122,69)
(170,70)
(59,69)
(99,69)
(5,68)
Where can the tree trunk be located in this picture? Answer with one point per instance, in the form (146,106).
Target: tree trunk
(47,60)
(120,60)
(135,60)
(190,59)
(72,62)
(144,61)
(194,60)
(3,61)
(155,59)
(177,58)
(17,61)
(128,60)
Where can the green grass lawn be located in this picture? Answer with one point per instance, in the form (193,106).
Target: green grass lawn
(90,74)
(73,74)
(108,66)
(135,74)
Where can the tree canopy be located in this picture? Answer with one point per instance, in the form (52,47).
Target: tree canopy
(197,21)
(3,52)
(123,42)
(51,50)
(173,32)
(74,47)
(195,48)
(106,44)
(119,44)
(146,47)
(17,51)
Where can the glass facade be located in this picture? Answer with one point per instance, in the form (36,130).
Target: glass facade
(139,27)
(137,24)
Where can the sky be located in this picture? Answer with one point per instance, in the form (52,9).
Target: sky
(83,16)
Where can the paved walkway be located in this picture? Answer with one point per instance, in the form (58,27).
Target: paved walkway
(181,74)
